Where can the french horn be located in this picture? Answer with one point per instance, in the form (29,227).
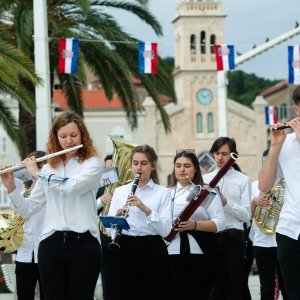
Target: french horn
(120,160)
(267,218)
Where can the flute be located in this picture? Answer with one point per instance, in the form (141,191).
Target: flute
(21,166)
(281,127)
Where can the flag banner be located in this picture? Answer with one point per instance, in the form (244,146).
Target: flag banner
(294,64)
(224,57)
(270,113)
(148,58)
(68,56)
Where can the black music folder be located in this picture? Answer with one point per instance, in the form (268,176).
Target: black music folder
(114,222)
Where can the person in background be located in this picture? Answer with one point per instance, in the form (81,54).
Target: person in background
(27,272)
(265,248)
(144,267)
(192,249)
(110,259)
(102,201)
(69,254)
(235,193)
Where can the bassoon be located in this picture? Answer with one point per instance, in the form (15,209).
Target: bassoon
(195,202)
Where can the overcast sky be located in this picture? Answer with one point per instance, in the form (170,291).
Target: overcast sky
(248,22)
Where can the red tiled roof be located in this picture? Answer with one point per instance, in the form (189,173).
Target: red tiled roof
(274,88)
(92,99)
(96,99)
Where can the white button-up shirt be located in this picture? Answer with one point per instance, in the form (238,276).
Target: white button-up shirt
(70,205)
(236,187)
(214,212)
(289,162)
(154,196)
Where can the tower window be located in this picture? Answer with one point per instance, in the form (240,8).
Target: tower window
(199,123)
(283,111)
(212,43)
(193,44)
(210,122)
(202,42)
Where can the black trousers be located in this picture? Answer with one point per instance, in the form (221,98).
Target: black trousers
(267,265)
(145,270)
(191,276)
(231,249)
(249,257)
(27,275)
(110,270)
(288,253)
(69,265)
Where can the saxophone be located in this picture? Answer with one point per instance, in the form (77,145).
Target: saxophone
(266,219)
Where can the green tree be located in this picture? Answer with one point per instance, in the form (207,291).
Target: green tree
(15,67)
(108,51)
(244,87)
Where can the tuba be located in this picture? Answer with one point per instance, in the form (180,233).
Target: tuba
(266,219)
(121,160)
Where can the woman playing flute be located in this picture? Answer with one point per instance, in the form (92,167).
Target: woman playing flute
(69,252)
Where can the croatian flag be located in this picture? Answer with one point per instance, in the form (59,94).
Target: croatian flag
(270,115)
(224,57)
(294,64)
(68,55)
(148,58)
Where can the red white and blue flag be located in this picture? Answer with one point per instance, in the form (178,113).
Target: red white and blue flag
(68,55)
(294,64)
(148,58)
(224,57)
(270,113)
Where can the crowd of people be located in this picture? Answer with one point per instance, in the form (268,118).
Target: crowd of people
(209,257)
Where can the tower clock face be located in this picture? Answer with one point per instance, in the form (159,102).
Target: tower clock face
(204,96)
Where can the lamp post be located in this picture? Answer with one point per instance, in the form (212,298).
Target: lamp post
(222,79)
(41,59)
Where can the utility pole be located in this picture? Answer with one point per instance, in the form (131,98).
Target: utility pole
(41,61)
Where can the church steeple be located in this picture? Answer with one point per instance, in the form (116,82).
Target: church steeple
(198,25)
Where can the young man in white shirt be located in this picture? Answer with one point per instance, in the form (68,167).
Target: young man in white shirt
(235,194)
(284,154)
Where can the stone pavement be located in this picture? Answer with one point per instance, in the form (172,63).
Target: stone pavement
(253,285)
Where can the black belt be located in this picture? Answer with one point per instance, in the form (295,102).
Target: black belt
(231,231)
(71,234)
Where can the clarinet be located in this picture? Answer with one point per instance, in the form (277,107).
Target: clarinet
(194,203)
(114,245)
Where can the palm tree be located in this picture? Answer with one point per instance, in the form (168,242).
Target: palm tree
(14,67)
(108,51)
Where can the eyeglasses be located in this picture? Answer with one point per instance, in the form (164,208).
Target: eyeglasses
(186,151)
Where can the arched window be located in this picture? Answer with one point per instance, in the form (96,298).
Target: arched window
(210,122)
(202,42)
(212,43)
(170,180)
(283,111)
(193,44)
(199,123)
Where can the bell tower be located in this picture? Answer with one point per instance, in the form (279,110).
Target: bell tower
(198,26)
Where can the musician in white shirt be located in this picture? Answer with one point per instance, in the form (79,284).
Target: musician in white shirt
(284,153)
(27,272)
(192,248)
(235,193)
(70,243)
(144,257)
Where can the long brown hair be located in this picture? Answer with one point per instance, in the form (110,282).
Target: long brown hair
(194,160)
(87,151)
(152,157)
